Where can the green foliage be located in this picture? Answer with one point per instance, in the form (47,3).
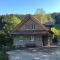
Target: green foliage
(56,31)
(42,17)
(56,16)
(5,40)
(7,24)
(2,23)
(3,56)
(11,22)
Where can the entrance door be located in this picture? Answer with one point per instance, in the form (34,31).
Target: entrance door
(45,40)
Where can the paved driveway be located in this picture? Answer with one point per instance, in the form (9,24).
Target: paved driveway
(33,55)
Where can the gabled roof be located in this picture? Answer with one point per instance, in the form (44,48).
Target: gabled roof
(27,19)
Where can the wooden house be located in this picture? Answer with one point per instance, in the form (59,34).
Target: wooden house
(32,31)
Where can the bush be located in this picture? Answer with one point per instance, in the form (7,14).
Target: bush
(3,56)
(5,40)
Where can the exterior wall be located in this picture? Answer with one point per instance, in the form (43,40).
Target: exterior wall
(34,39)
(17,41)
(28,25)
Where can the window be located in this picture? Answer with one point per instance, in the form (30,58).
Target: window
(25,38)
(33,26)
(30,27)
(21,37)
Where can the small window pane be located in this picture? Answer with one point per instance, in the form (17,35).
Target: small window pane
(33,26)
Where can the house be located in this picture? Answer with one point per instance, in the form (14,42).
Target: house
(31,31)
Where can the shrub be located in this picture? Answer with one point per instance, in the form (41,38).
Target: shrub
(3,55)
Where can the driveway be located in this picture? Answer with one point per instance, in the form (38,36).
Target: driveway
(33,54)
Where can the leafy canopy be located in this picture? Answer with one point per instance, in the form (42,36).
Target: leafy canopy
(43,17)
(11,22)
(56,31)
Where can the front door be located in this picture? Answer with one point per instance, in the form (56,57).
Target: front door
(45,40)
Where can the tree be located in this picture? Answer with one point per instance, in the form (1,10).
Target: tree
(5,39)
(7,24)
(43,17)
(2,23)
(11,22)
(56,31)
(3,55)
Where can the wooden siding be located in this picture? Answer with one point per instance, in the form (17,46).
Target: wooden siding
(28,26)
(27,39)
